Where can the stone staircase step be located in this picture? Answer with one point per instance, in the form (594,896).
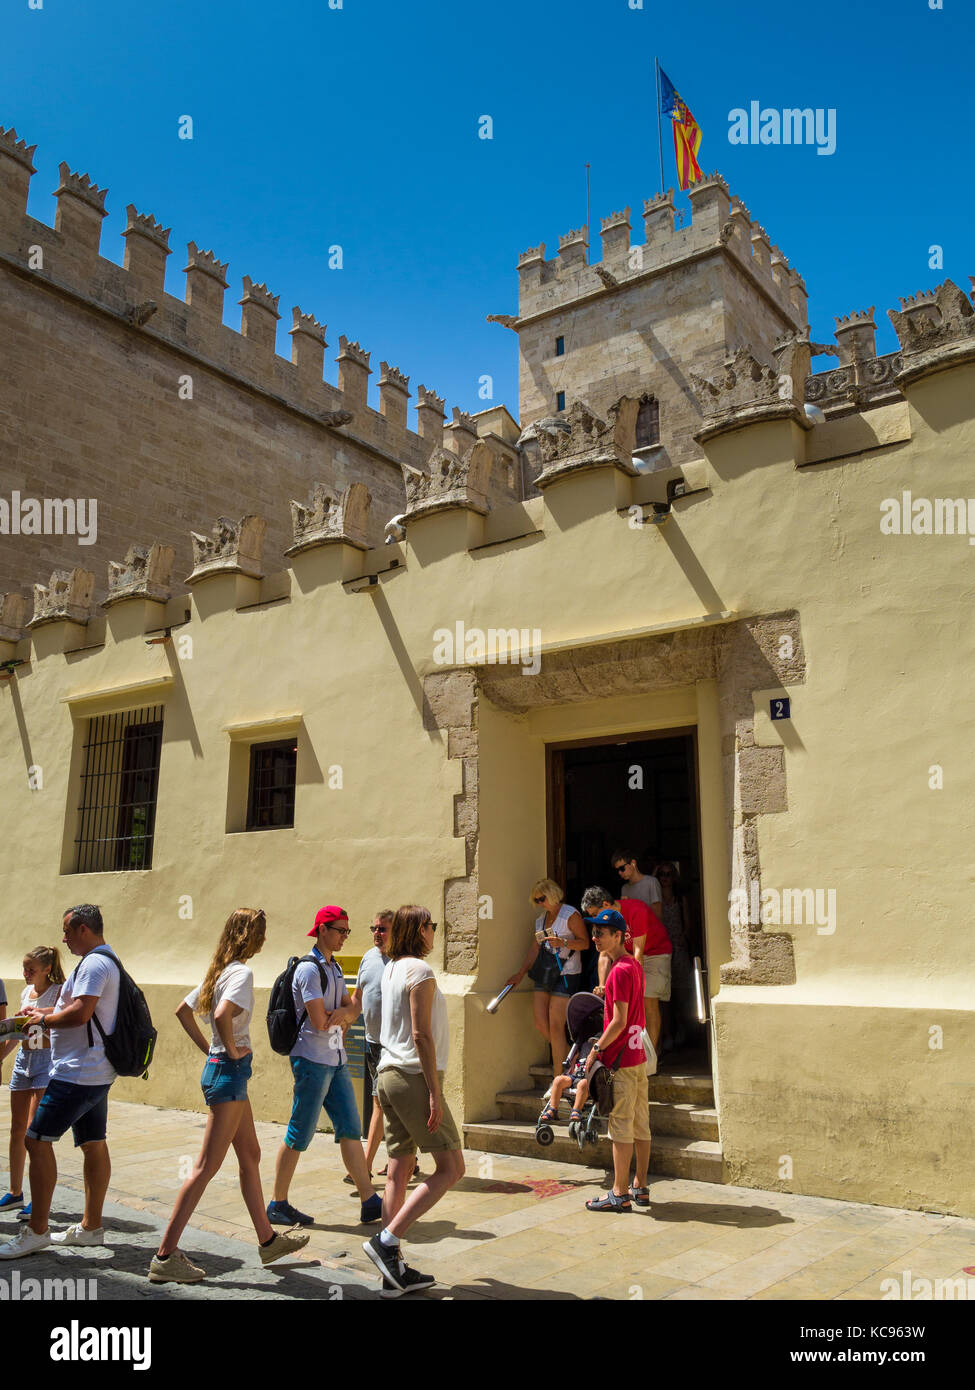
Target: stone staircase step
(666,1117)
(670,1155)
(682,1087)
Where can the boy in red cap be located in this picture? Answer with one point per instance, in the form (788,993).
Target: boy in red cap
(321,1072)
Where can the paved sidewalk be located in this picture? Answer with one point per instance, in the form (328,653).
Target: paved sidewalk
(515,1228)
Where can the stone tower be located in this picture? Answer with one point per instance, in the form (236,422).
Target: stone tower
(648,314)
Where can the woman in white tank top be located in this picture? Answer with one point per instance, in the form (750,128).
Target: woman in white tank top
(555,961)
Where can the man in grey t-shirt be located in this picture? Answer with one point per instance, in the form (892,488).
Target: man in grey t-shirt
(368,997)
(637,885)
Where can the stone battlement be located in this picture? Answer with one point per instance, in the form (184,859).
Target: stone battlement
(719,222)
(66,258)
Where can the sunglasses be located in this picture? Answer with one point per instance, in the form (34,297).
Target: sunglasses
(538,901)
(343,931)
(380,926)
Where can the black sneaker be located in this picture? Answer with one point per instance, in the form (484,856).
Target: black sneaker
(387,1261)
(412,1281)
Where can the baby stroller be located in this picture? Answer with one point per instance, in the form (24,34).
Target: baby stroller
(584,1020)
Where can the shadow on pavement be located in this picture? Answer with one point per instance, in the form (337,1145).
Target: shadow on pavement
(714,1214)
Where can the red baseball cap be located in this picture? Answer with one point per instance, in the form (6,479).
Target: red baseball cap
(325,915)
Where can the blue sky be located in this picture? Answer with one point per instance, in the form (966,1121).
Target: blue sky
(359,127)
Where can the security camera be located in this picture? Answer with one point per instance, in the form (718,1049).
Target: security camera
(814,414)
(395,530)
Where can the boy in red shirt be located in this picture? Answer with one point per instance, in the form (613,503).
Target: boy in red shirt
(621,1045)
(647,941)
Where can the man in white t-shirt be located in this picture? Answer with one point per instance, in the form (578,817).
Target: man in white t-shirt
(77,1093)
(321,1073)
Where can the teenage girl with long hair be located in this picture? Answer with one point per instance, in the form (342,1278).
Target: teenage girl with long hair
(225,1001)
(44,976)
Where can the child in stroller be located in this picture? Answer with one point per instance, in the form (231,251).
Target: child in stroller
(584,1020)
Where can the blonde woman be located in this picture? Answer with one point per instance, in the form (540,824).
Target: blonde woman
(225,1002)
(554,963)
(44,976)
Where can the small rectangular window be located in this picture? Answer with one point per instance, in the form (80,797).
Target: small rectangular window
(560,401)
(271,789)
(119,782)
(560,347)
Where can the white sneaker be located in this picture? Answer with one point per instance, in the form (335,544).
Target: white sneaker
(26,1243)
(77,1235)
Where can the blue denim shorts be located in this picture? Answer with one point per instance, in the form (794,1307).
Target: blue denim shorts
(225,1078)
(318,1088)
(64,1106)
(31,1070)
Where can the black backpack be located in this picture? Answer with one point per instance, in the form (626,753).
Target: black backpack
(283,1024)
(130,1047)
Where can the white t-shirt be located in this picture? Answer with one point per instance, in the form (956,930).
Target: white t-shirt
(647,890)
(396,1034)
(323,1048)
(71,1057)
(236,983)
(571,960)
(46,1000)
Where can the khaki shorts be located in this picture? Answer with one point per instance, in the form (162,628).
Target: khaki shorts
(656,977)
(630,1116)
(405,1103)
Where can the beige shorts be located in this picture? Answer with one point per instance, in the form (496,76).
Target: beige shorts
(630,1116)
(656,977)
(405,1103)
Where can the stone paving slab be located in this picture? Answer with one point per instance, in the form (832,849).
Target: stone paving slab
(514,1228)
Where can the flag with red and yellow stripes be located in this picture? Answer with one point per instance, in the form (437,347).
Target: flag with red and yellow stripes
(687,132)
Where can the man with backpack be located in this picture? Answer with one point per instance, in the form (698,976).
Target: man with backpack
(77,1093)
(314,1016)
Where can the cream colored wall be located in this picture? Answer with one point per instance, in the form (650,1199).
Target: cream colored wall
(888,655)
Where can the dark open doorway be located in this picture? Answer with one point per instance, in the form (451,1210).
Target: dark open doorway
(636,792)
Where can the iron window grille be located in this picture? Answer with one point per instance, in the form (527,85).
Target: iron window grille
(119,783)
(271,790)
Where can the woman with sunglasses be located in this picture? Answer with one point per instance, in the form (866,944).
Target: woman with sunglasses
(554,963)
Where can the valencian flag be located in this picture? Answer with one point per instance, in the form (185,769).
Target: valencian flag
(687,132)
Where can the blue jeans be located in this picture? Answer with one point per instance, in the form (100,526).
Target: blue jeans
(319,1087)
(225,1078)
(64,1106)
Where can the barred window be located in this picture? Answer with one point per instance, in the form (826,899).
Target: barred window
(271,792)
(119,782)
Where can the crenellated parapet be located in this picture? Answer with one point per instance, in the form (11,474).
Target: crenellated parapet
(232,547)
(719,224)
(430,416)
(394,392)
(461,434)
(65,598)
(192,321)
(936,330)
(329,518)
(581,441)
(748,391)
(451,481)
(145,573)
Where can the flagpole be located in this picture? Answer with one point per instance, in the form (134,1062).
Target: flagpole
(587,214)
(660,138)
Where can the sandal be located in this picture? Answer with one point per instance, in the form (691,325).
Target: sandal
(640,1195)
(575,1115)
(610,1203)
(547,1116)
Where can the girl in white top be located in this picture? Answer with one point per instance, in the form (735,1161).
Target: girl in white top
(559,930)
(44,975)
(225,1001)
